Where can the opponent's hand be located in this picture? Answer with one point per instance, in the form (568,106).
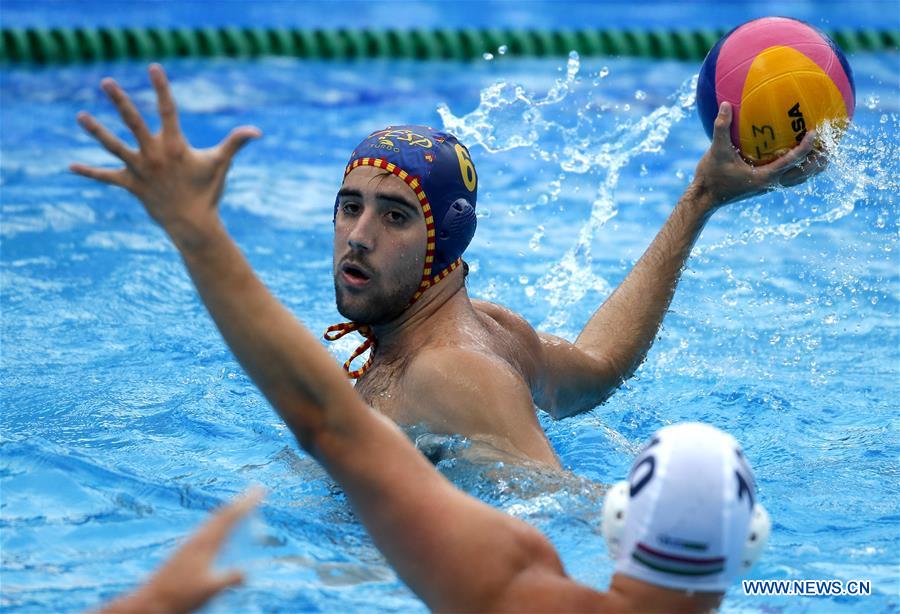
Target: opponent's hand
(726,177)
(186,581)
(179,186)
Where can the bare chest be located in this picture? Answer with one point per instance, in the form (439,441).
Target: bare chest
(382,389)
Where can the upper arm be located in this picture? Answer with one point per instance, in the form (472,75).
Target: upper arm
(571,379)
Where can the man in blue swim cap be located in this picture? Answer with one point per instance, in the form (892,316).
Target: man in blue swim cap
(403,216)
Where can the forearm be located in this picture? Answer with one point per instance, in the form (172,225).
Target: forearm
(290,367)
(624,327)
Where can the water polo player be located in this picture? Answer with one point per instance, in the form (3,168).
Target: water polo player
(403,217)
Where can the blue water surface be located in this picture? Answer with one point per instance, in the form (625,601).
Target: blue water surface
(126,419)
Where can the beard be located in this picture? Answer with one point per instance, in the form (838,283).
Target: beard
(375,305)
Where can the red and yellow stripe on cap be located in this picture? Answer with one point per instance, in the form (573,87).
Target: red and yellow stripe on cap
(413,182)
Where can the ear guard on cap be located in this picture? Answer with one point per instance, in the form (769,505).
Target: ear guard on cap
(615,506)
(459,223)
(615,512)
(757,537)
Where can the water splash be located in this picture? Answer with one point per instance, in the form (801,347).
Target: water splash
(568,127)
(572,127)
(862,169)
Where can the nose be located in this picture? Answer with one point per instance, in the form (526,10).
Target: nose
(362,232)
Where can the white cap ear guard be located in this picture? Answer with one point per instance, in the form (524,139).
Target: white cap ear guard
(687,517)
(615,508)
(757,537)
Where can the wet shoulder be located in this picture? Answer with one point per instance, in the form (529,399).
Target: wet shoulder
(519,342)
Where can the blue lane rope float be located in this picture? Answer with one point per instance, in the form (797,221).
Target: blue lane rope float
(62,45)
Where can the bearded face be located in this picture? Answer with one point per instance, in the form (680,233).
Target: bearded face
(379,246)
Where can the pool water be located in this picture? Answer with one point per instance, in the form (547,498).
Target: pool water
(125,417)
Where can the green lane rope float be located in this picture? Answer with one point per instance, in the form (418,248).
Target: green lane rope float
(61,45)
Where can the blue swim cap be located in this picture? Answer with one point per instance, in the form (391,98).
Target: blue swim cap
(440,171)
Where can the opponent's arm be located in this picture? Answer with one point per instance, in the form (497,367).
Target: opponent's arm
(617,337)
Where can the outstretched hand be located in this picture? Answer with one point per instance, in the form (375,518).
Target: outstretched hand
(178,185)
(186,581)
(727,178)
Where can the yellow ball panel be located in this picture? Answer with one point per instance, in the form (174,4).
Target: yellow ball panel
(785,94)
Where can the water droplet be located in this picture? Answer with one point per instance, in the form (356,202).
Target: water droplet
(640,95)
(534,244)
(502,49)
(872,102)
(529,291)
(523,279)
(487,57)
(603,72)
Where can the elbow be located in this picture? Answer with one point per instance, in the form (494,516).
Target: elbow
(597,391)
(574,407)
(306,420)
(569,405)
(534,557)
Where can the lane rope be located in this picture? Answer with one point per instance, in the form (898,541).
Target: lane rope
(82,45)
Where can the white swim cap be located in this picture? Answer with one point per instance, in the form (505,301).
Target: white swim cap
(683,518)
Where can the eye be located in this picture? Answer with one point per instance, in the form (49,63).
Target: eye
(396,217)
(350,208)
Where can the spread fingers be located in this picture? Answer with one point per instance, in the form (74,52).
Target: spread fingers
(217,528)
(167,111)
(128,111)
(113,176)
(111,142)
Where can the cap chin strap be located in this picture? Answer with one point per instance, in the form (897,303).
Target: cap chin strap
(336,331)
(615,511)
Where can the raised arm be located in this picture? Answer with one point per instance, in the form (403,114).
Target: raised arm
(453,551)
(617,337)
